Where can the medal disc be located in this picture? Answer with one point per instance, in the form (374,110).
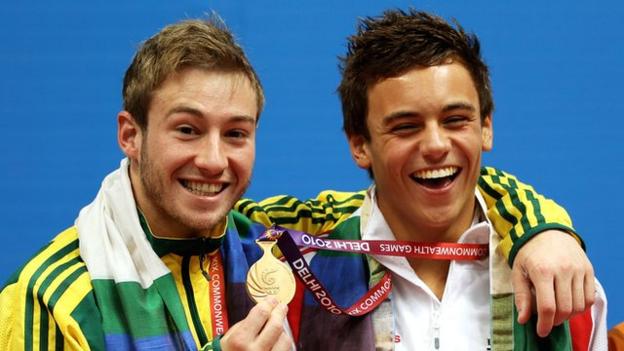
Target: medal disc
(270,277)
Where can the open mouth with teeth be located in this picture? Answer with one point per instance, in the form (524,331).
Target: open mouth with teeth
(436,178)
(202,189)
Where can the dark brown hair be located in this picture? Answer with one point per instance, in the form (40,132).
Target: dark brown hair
(389,45)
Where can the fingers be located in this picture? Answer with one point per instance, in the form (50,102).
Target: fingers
(284,343)
(564,291)
(559,294)
(262,329)
(545,301)
(578,294)
(542,281)
(259,315)
(561,275)
(590,287)
(272,331)
(522,294)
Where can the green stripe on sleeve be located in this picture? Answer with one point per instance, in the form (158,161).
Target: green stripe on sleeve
(29,308)
(515,200)
(537,208)
(59,345)
(500,207)
(67,282)
(43,328)
(44,315)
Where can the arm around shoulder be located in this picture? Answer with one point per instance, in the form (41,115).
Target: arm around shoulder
(315,216)
(518,212)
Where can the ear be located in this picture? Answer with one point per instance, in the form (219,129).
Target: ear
(360,151)
(129,135)
(487,134)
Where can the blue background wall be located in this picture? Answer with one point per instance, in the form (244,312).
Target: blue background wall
(557,71)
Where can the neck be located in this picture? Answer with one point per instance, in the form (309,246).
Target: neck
(405,230)
(432,272)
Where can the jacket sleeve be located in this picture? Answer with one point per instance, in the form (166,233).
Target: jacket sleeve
(314,216)
(43,332)
(518,212)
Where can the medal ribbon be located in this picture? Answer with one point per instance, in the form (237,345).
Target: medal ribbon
(288,240)
(218,309)
(434,251)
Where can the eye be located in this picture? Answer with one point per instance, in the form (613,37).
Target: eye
(404,128)
(456,121)
(186,129)
(237,133)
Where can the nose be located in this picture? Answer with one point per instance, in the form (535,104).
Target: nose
(211,158)
(435,144)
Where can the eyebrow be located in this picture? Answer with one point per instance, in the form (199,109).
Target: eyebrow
(184,109)
(197,113)
(243,118)
(459,106)
(399,115)
(410,113)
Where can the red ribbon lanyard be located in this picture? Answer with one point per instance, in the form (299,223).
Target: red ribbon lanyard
(218,307)
(288,240)
(434,251)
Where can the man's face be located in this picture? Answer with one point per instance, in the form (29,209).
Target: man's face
(425,150)
(196,157)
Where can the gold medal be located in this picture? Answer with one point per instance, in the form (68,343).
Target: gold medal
(270,277)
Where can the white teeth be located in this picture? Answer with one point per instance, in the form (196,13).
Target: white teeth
(436,173)
(203,188)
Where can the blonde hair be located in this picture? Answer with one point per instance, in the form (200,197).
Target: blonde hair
(204,44)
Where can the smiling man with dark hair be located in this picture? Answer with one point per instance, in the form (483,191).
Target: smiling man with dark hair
(417,111)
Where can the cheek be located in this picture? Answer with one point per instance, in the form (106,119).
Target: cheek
(391,159)
(399,154)
(471,145)
(474,160)
(172,157)
(243,161)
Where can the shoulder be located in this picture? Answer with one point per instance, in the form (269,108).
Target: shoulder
(348,229)
(56,268)
(288,202)
(59,255)
(54,279)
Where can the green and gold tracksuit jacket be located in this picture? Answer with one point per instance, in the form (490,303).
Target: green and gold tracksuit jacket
(51,303)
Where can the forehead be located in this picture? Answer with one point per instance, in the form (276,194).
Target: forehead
(423,89)
(198,79)
(207,91)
